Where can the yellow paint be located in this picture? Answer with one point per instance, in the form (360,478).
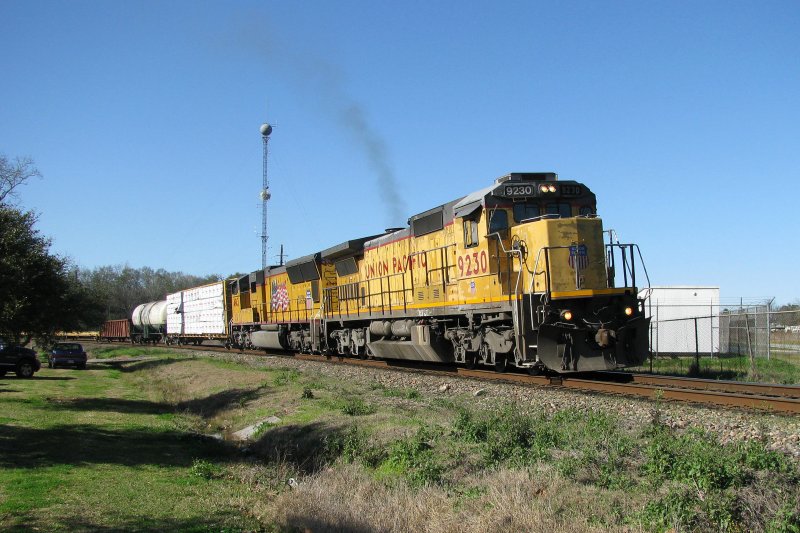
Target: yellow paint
(559,234)
(443,268)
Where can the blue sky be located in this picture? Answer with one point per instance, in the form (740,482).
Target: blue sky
(143,117)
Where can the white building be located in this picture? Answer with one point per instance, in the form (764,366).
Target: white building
(684,319)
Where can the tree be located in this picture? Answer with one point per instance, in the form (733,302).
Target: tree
(121,288)
(13,174)
(38,293)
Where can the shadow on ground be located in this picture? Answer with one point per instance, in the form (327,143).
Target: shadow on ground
(309,447)
(39,378)
(117,405)
(213,404)
(136,366)
(228,520)
(206,407)
(79,444)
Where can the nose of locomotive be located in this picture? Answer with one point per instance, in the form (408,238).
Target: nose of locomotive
(584,349)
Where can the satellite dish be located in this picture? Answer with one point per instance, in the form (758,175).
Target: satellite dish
(266,129)
(265,195)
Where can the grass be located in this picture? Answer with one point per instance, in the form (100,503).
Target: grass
(107,352)
(363,457)
(777,369)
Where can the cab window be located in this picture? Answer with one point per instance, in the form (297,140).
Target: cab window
(561,209)
(525,212)
(498,220)
(586,210)
(470,233)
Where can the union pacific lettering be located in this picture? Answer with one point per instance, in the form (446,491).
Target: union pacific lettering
(399,265)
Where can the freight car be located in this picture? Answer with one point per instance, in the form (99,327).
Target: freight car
(516,274)
(116,330)
(194,315)
(149,322)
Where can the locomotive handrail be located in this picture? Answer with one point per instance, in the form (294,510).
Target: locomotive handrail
(540,217)
(515,314)
(628,263)
(385,293)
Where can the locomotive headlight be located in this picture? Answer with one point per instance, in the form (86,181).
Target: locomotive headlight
(551,188)
(543,188)
(566,315)
(628,311)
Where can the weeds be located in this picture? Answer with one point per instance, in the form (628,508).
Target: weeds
(352,446)
(357,407)
(205,469)
(786,520)
(408,394)
(694,458)
(285,376)
(262,428)
(414,458)
(308,394)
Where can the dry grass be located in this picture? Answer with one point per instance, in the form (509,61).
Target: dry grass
(190,380)
(346,498)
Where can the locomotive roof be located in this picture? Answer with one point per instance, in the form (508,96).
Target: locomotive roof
(436,218)
(472,201)
(347,248)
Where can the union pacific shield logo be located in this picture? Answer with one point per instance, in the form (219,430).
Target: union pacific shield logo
(578,255)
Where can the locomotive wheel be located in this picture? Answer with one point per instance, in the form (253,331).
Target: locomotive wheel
(500,362)
(355,351)
(535,370)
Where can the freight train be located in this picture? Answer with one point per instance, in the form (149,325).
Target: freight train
(517,274)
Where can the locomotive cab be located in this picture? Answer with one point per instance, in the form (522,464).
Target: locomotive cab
(545,242)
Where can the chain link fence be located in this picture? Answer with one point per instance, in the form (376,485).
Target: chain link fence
(745,342)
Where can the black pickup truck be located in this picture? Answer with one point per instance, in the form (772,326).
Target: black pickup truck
(14,358)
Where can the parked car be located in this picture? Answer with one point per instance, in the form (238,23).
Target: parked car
(67,353)
(14,358)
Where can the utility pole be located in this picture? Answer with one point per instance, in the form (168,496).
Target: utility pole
(265,195)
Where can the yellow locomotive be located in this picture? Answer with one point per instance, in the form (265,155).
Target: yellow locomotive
(516,274)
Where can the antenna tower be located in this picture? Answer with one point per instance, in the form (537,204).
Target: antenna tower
(265,195)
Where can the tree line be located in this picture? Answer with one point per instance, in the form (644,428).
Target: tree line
(117,290)
(42,293)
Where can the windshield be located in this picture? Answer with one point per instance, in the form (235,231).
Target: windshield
(526,211)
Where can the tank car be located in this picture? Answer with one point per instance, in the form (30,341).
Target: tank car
(149,322)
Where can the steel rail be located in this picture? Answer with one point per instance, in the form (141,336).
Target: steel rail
(741,387)
(641,385)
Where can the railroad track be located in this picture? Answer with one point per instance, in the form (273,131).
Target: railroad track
(774,398)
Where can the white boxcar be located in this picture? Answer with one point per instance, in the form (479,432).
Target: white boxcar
(200,312)
(685,319)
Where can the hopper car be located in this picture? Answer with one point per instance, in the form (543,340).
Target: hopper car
(517,274)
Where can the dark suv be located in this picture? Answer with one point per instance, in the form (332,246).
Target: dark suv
(67,353)
(14,358)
